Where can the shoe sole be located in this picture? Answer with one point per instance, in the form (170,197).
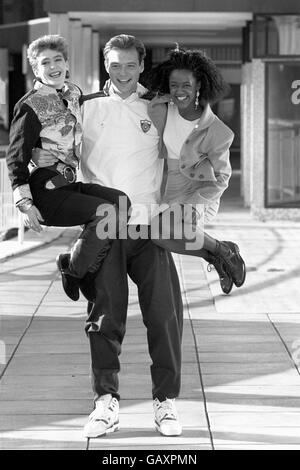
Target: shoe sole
(165,434)
(58,260)
(227,291)
(61,270)
(237,252)
(113,428)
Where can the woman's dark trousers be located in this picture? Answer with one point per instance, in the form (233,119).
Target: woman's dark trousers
(78,204)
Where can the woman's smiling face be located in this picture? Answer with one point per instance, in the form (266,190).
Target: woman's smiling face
(183,88)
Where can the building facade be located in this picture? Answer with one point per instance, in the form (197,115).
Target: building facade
(256,44)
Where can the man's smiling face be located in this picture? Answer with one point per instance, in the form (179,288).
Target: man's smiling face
(124,69)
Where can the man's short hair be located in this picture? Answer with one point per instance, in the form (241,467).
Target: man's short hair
(50,41)
(125,41)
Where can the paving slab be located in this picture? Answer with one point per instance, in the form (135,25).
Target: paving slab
(17,309)
(234,330)
(245,435)
(244,358)
(250,419)
(285,375)
(247,368)
(257,446)
(38,422)
(56,440)
(237,339)
(241,399)
(40,406)
(242,346)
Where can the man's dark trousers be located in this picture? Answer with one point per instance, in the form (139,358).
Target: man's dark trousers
(153,271)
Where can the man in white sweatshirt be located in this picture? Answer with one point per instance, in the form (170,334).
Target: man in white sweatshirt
(120,150)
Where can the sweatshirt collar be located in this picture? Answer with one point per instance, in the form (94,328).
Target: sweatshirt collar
(108,90)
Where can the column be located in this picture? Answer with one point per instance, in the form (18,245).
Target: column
(76,53)
(253,135)
(95,62)
(246,133)
(59,24)
(289,34)
(87,58)
(258,157)
(4,69)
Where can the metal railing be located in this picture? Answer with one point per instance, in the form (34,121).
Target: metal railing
(9,215)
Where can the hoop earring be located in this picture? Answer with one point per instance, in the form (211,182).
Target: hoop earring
(197,99)
(171,102)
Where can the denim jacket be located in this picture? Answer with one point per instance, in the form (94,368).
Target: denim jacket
(204,156)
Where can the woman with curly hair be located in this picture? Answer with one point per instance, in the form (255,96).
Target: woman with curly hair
(195,143)
(49,117)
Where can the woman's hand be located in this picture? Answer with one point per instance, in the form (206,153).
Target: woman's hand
(31,219)
(43,158)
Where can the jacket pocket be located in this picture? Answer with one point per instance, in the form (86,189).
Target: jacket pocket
(205,170)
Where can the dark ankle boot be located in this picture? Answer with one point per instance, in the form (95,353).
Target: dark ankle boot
(70,283)
(226,281)
(230,255)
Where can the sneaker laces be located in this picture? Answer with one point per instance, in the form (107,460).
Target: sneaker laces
(211,259)
(167,409)
(210,267)
(104,412)
(219,265)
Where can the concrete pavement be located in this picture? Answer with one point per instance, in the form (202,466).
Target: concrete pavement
(241,353)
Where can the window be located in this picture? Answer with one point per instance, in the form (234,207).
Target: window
(283,134)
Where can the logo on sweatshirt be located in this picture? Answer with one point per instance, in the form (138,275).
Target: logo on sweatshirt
(145,125)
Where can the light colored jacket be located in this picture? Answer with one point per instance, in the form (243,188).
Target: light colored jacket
(204,156)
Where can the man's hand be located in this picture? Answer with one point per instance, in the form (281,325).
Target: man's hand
(43,158)
(31,219)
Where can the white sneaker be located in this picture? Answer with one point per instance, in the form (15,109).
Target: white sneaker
(105,417)
(166,417)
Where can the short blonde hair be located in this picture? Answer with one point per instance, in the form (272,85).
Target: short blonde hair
(50,41)
(125,41)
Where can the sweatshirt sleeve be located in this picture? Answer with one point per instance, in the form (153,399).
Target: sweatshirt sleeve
(24,136)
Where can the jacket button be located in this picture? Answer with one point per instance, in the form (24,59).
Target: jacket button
(192,174)
(183,166)
(200,177)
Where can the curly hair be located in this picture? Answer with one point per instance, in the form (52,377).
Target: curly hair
(50,41)
(213,85)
